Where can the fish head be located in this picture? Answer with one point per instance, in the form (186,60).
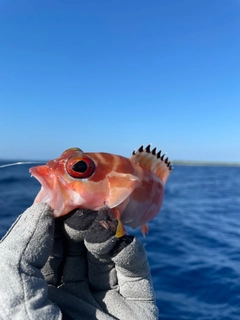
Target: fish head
(82,180)
(65,181)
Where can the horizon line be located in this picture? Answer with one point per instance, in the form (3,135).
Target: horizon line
(174,162)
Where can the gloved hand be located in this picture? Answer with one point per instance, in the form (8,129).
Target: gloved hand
(91,274)
(23,252)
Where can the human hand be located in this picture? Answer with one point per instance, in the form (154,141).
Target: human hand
(100,273)
(23,252)
(96,276)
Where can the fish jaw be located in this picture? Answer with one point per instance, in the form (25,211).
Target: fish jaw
(54,191)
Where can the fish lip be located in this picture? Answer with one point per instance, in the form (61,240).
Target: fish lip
(42,180)
(46,193)
(51,191)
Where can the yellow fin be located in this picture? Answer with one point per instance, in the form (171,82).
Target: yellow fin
(121,231)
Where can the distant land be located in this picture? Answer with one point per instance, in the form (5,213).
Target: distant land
(205,163)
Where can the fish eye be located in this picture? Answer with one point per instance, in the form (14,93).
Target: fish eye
(80,167)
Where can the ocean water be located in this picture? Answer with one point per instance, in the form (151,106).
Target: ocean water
(193,245)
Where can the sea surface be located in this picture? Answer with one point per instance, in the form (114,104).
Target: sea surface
(193,245)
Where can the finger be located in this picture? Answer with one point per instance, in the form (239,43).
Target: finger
(99,240)
(77,223)
(100,237)
(75,228)
(52,269)
(133,272)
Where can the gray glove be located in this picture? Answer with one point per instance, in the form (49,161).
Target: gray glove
(91,274)
(23,252)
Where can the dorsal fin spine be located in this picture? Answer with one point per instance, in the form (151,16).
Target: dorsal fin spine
(148,148)
(153,161)
(154,151)
(159,154)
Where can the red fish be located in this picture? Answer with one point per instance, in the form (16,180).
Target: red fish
(133,188)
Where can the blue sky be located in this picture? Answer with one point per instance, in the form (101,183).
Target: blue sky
(111,75)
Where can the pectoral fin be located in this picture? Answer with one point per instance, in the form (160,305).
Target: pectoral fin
(121,185)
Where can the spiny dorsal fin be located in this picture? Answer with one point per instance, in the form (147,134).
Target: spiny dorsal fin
(153,161)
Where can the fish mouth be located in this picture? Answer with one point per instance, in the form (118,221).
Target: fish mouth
(44,194)
(50,191)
